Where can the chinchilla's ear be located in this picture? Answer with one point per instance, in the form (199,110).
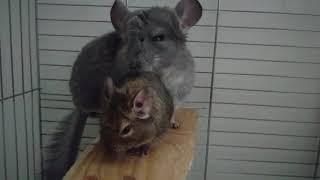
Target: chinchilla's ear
(118,12)
(108,89)
(189,12)
(106,94)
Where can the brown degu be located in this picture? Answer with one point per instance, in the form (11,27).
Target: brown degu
(137,111)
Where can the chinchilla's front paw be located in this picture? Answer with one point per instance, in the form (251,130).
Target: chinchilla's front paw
(174,124)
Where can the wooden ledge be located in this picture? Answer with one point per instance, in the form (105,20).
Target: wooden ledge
(168,159)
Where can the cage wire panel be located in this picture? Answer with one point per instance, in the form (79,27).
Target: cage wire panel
(19,92)
(257,85)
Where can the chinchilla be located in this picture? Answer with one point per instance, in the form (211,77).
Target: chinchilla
(152,39)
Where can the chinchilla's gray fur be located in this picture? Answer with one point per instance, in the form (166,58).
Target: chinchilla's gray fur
(151,39)
(63,152)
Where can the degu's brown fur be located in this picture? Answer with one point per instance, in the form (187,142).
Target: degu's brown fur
(137,111)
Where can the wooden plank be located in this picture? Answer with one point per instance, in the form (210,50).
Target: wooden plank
(265,113)
(287,54)
(266,98)
(269,37)
(267,83)
(263,141)
(270,155)
(265,127)
(181,164)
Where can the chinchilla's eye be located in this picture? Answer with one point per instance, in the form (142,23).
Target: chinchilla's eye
(158,37)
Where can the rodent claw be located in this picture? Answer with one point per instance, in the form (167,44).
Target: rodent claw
(174,125)
(139,151)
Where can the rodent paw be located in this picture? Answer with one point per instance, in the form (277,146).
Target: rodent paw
(139,151)
(174,125)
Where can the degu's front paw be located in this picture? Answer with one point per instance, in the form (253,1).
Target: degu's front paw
(139,151)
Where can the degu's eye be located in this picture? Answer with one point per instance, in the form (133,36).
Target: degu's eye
(159,37)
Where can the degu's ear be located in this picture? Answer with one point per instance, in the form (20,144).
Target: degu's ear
(189,12)
(118,12)
(142,103)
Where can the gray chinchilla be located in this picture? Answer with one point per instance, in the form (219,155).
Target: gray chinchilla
(151,39)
